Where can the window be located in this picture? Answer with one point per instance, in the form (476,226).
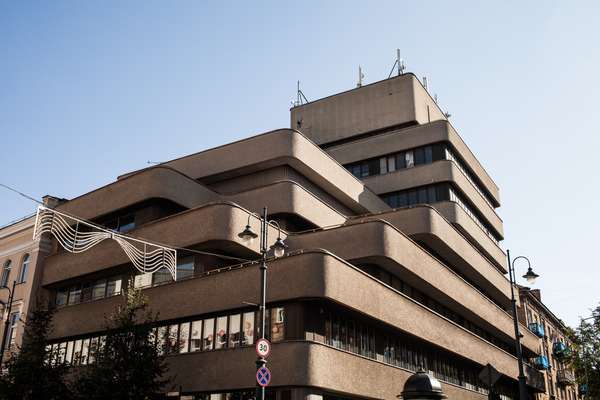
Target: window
(5,273)
(161,276)
(184,334)
(410,159)
(86,292)
(419,156)
(126,223)
(99,289)
(24,268)
(75,295)
(61,297)
(248,328)
(277,324)
(172,342)
(185,268)
(196,336)
(12,333)
(221,333)
(77,352)
(234,330)
(85,347)
(142,280)
(208,335)
(69,355)
(113,286)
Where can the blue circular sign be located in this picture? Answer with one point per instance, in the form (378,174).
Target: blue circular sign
(263,376)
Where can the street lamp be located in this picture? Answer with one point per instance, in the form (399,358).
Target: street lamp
(531,277)
(8,308)
(248,236)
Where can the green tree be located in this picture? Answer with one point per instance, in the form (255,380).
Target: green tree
(586,357)
(33,372)
(128,364)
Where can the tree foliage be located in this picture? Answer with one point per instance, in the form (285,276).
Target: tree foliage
(586,357)
(33,372)
(128,363)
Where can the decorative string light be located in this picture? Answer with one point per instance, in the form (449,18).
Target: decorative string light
(76,236)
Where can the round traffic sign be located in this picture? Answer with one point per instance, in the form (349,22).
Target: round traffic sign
(263,348)
(263,376)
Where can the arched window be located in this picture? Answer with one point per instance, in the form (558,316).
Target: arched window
(24,268)
(5,273)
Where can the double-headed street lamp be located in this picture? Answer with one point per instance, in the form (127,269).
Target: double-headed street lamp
(248,236)
(8,308)
(530,276)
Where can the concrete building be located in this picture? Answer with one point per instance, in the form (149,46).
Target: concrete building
(393,260)
(554,348)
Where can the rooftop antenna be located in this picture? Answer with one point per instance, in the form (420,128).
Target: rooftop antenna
(300,97)
(425,82)
(399,64)
(360,76)
(435,98)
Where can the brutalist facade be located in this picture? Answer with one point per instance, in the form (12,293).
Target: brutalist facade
(393,260)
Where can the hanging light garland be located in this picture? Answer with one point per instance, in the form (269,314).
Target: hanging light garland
(76,236)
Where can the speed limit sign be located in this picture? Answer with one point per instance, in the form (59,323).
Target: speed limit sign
(263,348)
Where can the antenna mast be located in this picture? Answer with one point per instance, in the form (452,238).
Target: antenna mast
(399,64)
(360,76)
(300,97)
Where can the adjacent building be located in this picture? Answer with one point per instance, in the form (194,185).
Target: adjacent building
(554,346)
(21,260)
(393,262)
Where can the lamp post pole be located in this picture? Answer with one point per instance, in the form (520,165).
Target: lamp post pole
(7,321)
(248,236)
(513,301)
(531,277)
(261,362)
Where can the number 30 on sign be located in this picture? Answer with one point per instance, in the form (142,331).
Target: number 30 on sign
(263,348)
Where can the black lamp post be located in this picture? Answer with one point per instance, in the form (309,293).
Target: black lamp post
(8,308)
(248,236)
(530,276)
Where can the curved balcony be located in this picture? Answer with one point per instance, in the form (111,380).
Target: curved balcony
(290,197)
(565,377)
(383,244)
(217,224)
(155,182)
(541,363)
(560,350)
(275,148)
(425,224)
(307,275)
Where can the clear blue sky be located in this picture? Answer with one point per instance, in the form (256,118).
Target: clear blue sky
(90,90)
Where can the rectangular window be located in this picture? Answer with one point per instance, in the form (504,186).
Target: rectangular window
(113,286)
(196,336)
(126,223)
(69,354)
(208,335)
(364,170)
(351,337)
(402,199)
(277,324)
(85,347)
(14,320)
(335,338)
(86,292)
(419,156)
(431,194)
(409,159)
(172,340)
(383,168)
(93,350)
(62,351)
(422,193)
(77,352)
(343,335)
(162,276)
(221,333)
(412,197)
(248,329)
(99,289)
(184,335)
(373,167)
(75,295)
(400,160)
(185,268)
(234,330)
(142,280)
(391,163)
(428,155)
(61,297)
